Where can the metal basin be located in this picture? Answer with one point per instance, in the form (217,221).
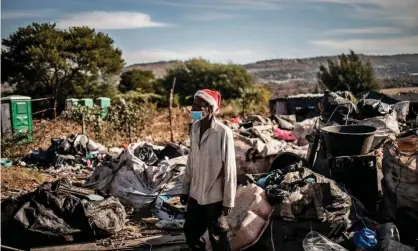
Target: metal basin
(348,140)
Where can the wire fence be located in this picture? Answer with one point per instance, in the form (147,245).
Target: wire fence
(45,108)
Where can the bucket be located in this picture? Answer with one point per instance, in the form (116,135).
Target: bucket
(348,140)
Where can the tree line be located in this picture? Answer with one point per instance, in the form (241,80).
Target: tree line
(41,60)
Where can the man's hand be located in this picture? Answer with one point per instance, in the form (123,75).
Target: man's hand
(184,199)
(226,211)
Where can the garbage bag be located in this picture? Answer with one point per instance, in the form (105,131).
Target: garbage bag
(315,241)
(402,110)
(391,245)
(383,124)
(388,231)
(146,154)
(51,215)
(170,225)
(134,182)
(370,108)
(276,195)
(365,239)
(172,151)
(400,177)
(248,219)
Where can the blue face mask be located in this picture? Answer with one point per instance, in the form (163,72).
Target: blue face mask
(196,115)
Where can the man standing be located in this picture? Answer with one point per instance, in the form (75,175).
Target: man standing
(210,180)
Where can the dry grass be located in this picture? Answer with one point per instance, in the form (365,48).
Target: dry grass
(391,91)
(157,131)
(18,180)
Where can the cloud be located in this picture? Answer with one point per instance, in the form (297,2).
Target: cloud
(396,45)
(211,16)
(109,20)
(366,31)
(214,55)
(223,4)
(27,14)
(401,12)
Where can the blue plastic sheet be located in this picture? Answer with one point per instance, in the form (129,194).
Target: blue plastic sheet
(365,238)
(262,182)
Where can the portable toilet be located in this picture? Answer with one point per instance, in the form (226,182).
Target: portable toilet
(104,103)
(86,102)
(70,102)
(16,114)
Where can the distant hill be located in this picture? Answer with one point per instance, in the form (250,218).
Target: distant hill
(286,70)
(159,68)
(303,71)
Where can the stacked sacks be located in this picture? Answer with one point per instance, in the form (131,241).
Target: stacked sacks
(400,186)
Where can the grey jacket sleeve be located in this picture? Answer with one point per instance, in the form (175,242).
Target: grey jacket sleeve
(230,169)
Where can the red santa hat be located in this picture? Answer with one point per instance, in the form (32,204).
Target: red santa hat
(212,97)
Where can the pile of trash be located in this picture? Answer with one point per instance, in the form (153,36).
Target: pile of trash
(141,173)
(57,213)
(73,152)
(312,211)
(289,199)
(258,140)
(303,210)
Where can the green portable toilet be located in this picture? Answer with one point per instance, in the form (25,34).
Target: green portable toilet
(16,113)
(70,102)
(86,102)
(104,103)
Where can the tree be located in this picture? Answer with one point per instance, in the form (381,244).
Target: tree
(197,73)
(349,73)
(255,98)
(138,79)
(41,60)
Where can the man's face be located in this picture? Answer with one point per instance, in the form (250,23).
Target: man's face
(199,104)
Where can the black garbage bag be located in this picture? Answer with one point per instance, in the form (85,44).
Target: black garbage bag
(276,195)
(50,216)
(172,151)
(146,153)
(391,245)
(370,108)
(388,231)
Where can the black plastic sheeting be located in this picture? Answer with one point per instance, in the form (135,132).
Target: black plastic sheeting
(146,153)
(48,216)
(152,156)
(370,108)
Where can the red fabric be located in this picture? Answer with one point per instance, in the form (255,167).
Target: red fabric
(284,135)
(235,120)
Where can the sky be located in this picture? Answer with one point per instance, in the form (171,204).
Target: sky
(238,31)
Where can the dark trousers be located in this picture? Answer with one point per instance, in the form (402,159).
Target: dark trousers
(200,218)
